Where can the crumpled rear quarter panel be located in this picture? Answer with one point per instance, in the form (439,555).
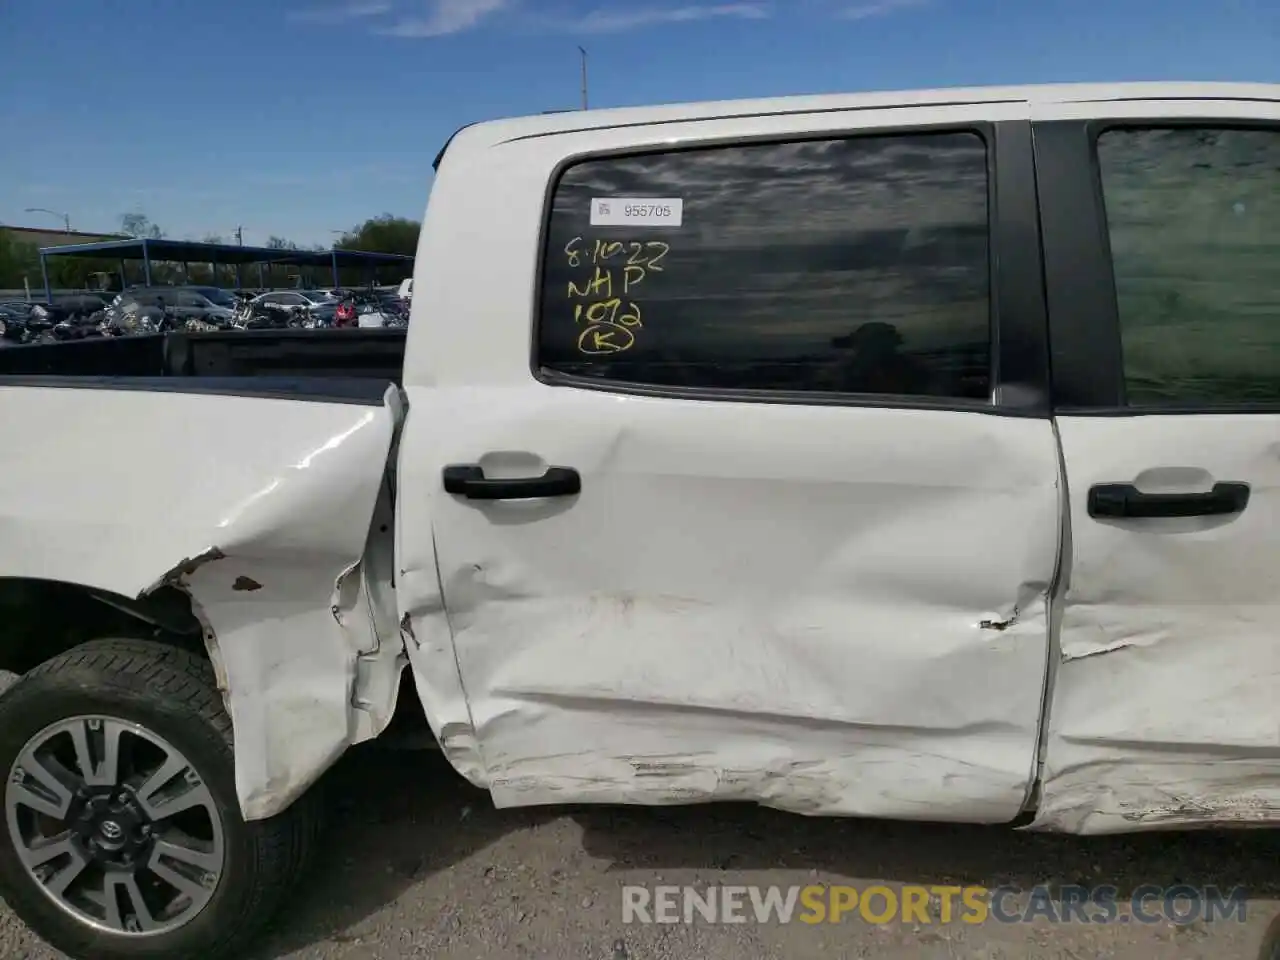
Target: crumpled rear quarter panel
(258,508)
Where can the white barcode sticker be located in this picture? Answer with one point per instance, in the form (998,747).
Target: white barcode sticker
(637,211)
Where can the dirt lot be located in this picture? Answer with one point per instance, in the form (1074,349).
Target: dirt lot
(418,864)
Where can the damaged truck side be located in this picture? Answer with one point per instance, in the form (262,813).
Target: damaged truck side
(902,455)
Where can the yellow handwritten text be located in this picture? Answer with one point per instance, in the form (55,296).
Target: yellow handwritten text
(605,338)
(648,254)
(601,284)
(609,322)
(609,311)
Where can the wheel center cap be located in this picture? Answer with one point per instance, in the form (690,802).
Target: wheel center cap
(113,830)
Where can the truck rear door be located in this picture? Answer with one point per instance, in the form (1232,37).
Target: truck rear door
(772,510)
(1161,226)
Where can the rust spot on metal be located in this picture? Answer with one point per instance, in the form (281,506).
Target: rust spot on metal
(999,624)
(176,575)
(192,564)
(246,583)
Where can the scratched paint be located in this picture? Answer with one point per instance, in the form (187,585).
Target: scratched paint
(847,619)
(1164,711)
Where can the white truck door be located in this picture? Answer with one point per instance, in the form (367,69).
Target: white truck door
(1161,227)
(772,512)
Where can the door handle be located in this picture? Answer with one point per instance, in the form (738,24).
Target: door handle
(468,480)
(1126,500)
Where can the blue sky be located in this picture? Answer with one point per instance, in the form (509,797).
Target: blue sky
(301,117)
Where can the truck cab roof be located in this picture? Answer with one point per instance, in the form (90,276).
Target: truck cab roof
(494,132)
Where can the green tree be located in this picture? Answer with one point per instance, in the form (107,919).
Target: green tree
(20,266)
(18,259)
(384,234)
(138,224)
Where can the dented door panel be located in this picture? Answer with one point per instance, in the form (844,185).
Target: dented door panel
(822,608)
(826,610)
(1164,711)
(1159,253)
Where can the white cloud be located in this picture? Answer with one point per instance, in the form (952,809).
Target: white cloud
(442,18)
(607,21)
(446,17)
(880,8)
(352,10)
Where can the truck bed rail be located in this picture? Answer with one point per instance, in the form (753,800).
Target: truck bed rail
(354,353)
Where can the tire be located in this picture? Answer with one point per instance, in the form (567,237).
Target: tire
(1270,949)
(171,695)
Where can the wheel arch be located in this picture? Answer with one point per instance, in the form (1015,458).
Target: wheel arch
(43,618)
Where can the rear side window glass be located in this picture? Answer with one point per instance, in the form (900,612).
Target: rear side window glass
(857,265)
(1194,220)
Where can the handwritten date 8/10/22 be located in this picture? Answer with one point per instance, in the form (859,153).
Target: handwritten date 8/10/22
(619,266)
(631,253)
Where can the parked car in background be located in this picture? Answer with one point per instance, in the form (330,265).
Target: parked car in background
(394,309)
(314,303)
(33,321)
(141,309)
(38,321)
(270,315)
(297,297)
(367,308)
(15,328)
(217,296)
(82,304)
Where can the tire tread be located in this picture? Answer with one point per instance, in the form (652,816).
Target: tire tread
(282,845)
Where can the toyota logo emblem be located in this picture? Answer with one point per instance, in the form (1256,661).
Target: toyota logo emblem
(111,830)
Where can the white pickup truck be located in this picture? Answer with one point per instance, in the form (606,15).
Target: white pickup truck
(904,455)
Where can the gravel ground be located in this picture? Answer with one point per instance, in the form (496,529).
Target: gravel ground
(419,864)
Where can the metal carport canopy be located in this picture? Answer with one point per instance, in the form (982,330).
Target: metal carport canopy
(187,251)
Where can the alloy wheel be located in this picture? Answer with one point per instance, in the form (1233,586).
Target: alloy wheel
(115,825)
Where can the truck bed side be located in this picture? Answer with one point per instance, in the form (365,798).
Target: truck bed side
(256,498)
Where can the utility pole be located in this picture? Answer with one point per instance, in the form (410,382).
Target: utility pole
(584,77)
(240,236)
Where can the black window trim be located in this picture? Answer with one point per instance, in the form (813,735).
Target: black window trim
(1017,323)
(1084,321)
